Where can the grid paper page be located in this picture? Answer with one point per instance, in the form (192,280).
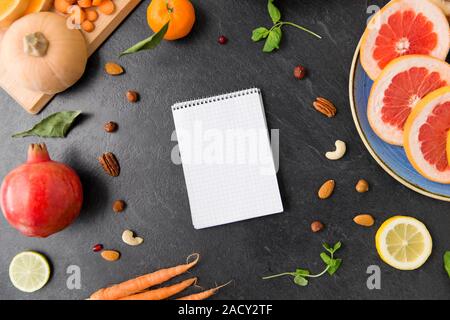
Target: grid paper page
(226,179)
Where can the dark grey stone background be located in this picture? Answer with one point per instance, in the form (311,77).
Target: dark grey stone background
(154,187)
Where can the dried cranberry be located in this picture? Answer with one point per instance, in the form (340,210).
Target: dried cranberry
(98,247)
(222,40)
(299,72)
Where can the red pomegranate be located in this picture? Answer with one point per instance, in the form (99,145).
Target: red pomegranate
(41,197)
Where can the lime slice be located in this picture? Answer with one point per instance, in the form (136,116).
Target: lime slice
(403,242)
(29,271)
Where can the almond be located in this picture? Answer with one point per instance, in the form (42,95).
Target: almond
(365,220)
(326,190)
(113,69)
(110,255)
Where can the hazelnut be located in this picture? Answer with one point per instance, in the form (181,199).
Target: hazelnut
(132,96)
(110,126)
(119,205)
(317,226)
(362,186)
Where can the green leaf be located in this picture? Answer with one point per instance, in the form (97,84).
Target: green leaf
(334,266)
(325,258)
(301,281)
(259,34)
(54,126)
(302,272)
(274,13)
(273,40)
(326,246)
(447,262)
(149,43)
(337,246)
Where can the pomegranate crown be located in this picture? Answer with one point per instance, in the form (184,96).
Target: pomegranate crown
(37,152)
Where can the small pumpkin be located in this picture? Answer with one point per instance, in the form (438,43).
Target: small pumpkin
(42,54)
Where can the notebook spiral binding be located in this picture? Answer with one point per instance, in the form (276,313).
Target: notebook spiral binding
(205,100)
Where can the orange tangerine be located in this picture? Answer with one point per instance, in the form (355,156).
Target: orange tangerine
(180,13)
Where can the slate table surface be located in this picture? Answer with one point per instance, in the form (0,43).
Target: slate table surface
(154,187)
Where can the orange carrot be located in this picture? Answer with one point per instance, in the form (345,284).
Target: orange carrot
(71,1)
(107,7)
(205,294)
(143,282)
(162,293)
(96,2)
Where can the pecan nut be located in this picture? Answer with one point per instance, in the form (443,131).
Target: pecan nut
(110,164)
(325,107)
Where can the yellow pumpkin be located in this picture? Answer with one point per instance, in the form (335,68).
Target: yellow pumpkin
(42,54)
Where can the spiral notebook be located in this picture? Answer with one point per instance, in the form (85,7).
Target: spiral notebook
(227,158)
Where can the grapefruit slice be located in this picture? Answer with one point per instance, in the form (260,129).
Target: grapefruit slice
(397,90)
(426,132)
(404,27)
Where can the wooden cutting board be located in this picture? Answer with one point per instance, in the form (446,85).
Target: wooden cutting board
(32,101)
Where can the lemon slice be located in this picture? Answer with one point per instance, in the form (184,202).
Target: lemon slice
(403,243)
(11,10)
(29,271)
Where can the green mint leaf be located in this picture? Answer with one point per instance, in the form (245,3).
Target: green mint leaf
(327,247)
(149,43)
(273,40)
(325,258)
(447,262)
(334,266)
(274,13)
(54,126)
(259,34)
(337,246)
(301,281)
(302,272)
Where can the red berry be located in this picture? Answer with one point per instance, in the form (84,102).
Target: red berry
(98,247)
(299,72)
(222,40)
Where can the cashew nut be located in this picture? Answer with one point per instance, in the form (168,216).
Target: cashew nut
(129,238)
(338,153)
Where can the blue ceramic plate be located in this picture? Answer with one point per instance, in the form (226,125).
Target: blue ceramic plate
(391,158)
